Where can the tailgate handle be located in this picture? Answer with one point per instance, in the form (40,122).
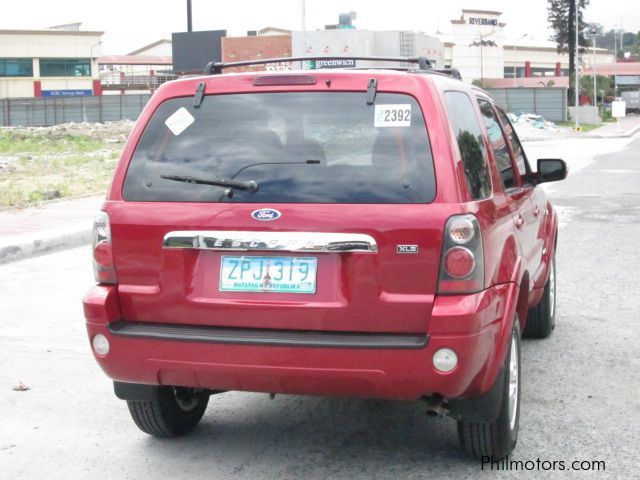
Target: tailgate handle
(241,241)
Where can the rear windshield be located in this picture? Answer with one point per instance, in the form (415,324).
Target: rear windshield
(309,147)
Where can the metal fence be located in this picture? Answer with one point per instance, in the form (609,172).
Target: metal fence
(46,111)
(550,102)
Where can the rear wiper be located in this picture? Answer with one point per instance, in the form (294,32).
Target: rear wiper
(248,186)
(251,165)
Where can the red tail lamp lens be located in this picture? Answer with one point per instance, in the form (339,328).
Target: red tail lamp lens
(103,255)
(459,262)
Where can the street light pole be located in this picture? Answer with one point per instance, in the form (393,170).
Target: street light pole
(481,62)
(515,48)
(304,31)
(91,54)
(481,43)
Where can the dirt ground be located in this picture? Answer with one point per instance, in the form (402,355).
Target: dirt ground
(69,160)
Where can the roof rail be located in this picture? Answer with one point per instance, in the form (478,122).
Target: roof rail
(449,72)
(452,72)
(215,68)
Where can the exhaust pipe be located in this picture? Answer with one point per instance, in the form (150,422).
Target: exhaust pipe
(436,406)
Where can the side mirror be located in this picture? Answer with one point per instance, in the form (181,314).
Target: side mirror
(551,170)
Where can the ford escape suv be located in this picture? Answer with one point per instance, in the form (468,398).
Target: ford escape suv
(364,232)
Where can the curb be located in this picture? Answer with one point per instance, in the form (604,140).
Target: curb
(622,134)
(27,246)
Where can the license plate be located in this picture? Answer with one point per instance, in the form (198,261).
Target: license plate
(268,274)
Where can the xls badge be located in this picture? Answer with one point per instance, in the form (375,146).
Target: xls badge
(407,248)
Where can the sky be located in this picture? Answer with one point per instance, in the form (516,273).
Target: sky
(131,24)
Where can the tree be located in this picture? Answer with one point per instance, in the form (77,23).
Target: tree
(561,14)
(604,85)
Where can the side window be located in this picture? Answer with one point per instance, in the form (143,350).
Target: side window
(521,159)
(469,135)
(498,144)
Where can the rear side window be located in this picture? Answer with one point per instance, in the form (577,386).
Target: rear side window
(498,144)
(472,150)
(299,147)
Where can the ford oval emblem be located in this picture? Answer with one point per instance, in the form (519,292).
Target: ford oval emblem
(266,214)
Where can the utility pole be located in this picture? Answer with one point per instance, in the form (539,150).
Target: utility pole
(593,67)
(189,17)
(615,63)
(304,31)
(577,67)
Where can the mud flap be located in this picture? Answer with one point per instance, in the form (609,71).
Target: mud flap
(135,391)
(480,409)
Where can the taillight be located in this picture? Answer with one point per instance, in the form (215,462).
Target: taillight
(103,268)
(462,262)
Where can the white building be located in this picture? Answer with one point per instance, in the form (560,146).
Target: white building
(52,62)
(477,47)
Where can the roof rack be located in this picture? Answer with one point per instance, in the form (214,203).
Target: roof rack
(215,68)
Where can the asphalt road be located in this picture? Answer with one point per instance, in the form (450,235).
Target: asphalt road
(580,398)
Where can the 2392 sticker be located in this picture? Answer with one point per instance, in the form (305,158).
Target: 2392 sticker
(398,115)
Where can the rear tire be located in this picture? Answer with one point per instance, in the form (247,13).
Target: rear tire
(541,319)
(495,440)
(175,411)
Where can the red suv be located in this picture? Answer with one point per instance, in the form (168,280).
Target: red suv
(362,232)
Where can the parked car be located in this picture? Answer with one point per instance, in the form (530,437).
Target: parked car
(374,233)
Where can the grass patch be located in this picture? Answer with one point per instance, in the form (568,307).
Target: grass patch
(584,127)
(16,142)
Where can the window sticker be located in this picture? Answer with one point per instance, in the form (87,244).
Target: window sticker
(179,121)
(398,115)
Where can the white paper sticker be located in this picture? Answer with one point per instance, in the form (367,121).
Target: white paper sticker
(179,121)
(393,115)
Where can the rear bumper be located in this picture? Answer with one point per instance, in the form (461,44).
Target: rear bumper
(363,365)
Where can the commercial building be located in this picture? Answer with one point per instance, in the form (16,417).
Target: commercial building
(269,43)
(368,43)
(60,61)
(478,48)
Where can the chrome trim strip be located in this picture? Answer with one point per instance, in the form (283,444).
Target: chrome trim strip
(268,337)
(245,241)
